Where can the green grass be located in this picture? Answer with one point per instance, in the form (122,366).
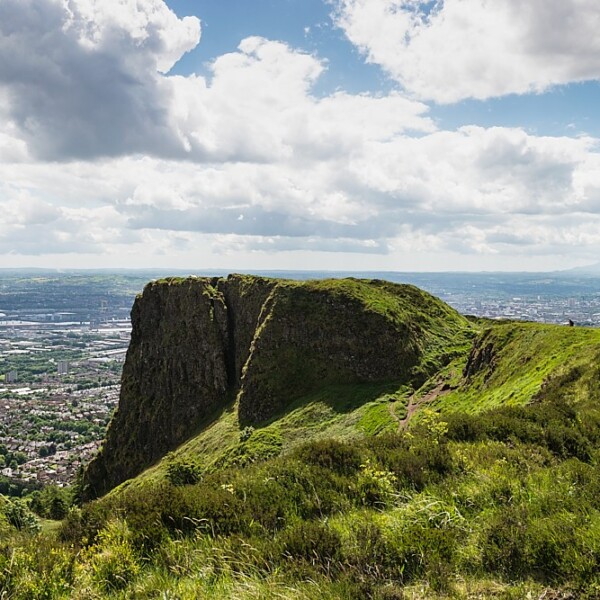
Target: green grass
(525,355)
(49,526)
(376,419)
(493,494)
(485,506)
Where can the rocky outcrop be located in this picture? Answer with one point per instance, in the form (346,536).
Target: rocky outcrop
(482,358)
(307,338)
(198,344)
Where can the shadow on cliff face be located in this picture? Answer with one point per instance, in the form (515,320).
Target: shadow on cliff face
(198,343)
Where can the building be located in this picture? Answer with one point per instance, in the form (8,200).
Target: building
(63,367)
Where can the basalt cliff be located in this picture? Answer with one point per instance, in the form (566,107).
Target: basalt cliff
(254,345)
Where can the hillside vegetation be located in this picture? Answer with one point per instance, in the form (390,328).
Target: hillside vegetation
(464,464)
(201,347)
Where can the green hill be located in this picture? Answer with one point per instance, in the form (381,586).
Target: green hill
(226,354)
(298,361)
(332,439)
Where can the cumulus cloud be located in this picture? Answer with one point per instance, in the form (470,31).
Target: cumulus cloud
(472,191)
(259,107)
(483,171)
(81,78)
(103,151)
(32,226)
(448,50)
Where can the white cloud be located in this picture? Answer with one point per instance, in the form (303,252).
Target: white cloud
(12,149)
(103,153)
(475,170)
(149,28)
(473,191)
(81,78)
(460,49)
(258,107)
(87,79)
(32,226)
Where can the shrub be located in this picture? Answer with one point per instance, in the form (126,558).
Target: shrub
(111,562)
(52,502)
(553,425)
(554,549)
(376,487)
(312,542)
(183,473)
(216,510)
(19,516)
(418,550)
(246,433)
(311,491)
(505,549)
(37,569)
(341,457)
(369,549)
(415,462)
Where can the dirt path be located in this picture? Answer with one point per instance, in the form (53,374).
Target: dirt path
(415,404)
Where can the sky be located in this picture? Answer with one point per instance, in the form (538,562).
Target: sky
(400,135)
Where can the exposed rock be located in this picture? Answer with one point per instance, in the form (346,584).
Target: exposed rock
(199,343)
(481,358)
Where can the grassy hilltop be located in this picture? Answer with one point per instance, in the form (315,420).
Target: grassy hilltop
(340,439)
(255,347)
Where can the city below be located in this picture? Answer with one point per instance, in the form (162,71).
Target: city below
(584,312)
(64,336)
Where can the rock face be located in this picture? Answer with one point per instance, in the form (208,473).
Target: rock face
(198,344)
(482,358)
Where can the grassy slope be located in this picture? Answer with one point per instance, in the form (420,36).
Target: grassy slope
(528,354)
(341,411)
(462,512)
(505,506)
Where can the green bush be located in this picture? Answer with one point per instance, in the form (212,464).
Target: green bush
(19,516)
(415,462)
(111,563)
(311,491)
(376,487)
(338,456)
(216,510)
(311,542)
(183,472)
(552,425)
(35,567)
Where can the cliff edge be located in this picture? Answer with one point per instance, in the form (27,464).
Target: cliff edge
(200,345)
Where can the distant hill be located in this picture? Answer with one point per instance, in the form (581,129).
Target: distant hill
(591,270)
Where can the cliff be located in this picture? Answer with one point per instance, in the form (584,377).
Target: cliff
(199,344)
